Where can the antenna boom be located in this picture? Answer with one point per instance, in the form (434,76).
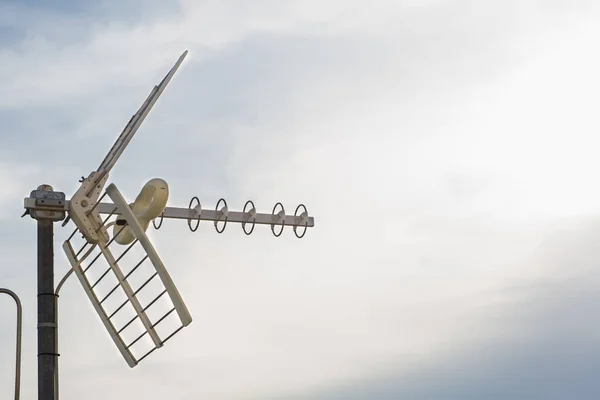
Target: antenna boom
(203,215)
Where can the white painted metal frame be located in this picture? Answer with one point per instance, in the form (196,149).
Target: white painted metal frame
(160,271)
(141,236)
(87,287)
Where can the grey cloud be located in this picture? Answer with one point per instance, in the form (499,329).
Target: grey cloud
(541,345)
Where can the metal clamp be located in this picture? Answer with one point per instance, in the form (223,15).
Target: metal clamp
(45,204)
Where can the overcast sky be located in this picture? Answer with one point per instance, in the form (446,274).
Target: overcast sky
(446,148)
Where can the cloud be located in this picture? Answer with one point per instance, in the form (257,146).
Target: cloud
(538,342)
(423,138)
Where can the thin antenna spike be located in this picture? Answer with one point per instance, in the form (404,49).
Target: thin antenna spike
(146,283)
(163,317)
(136,121)
(147,354)
(109,293)
(126,250)
(101,277)
(173,334)
(127,324)
(118,309)
(82,248)
(137,340)
(91,263)
(155,300)
(136,266)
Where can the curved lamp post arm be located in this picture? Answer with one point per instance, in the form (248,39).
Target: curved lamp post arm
(19,322)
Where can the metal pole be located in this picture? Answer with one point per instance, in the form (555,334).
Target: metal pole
(19,324)
(46,312)
(49,207)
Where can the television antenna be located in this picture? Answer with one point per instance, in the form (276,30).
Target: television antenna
(93,220)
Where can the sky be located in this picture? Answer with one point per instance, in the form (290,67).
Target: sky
(446,148)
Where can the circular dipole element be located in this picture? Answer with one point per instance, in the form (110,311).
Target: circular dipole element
(189,221)
(281,214)
(253,219)
(305,223)
(221,212)
(160,223)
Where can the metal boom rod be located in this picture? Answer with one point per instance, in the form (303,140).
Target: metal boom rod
(196,214)
(216,215)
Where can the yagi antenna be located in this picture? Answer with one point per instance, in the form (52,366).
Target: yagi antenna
(112,231)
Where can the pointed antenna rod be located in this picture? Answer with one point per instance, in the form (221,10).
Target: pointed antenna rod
(133,125)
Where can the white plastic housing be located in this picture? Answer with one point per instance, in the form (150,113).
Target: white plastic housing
(148,205)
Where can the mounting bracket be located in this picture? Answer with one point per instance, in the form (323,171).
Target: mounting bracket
(47,205)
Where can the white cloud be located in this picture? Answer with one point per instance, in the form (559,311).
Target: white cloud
(424,139)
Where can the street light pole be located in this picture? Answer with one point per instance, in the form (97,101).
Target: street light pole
(18,356)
